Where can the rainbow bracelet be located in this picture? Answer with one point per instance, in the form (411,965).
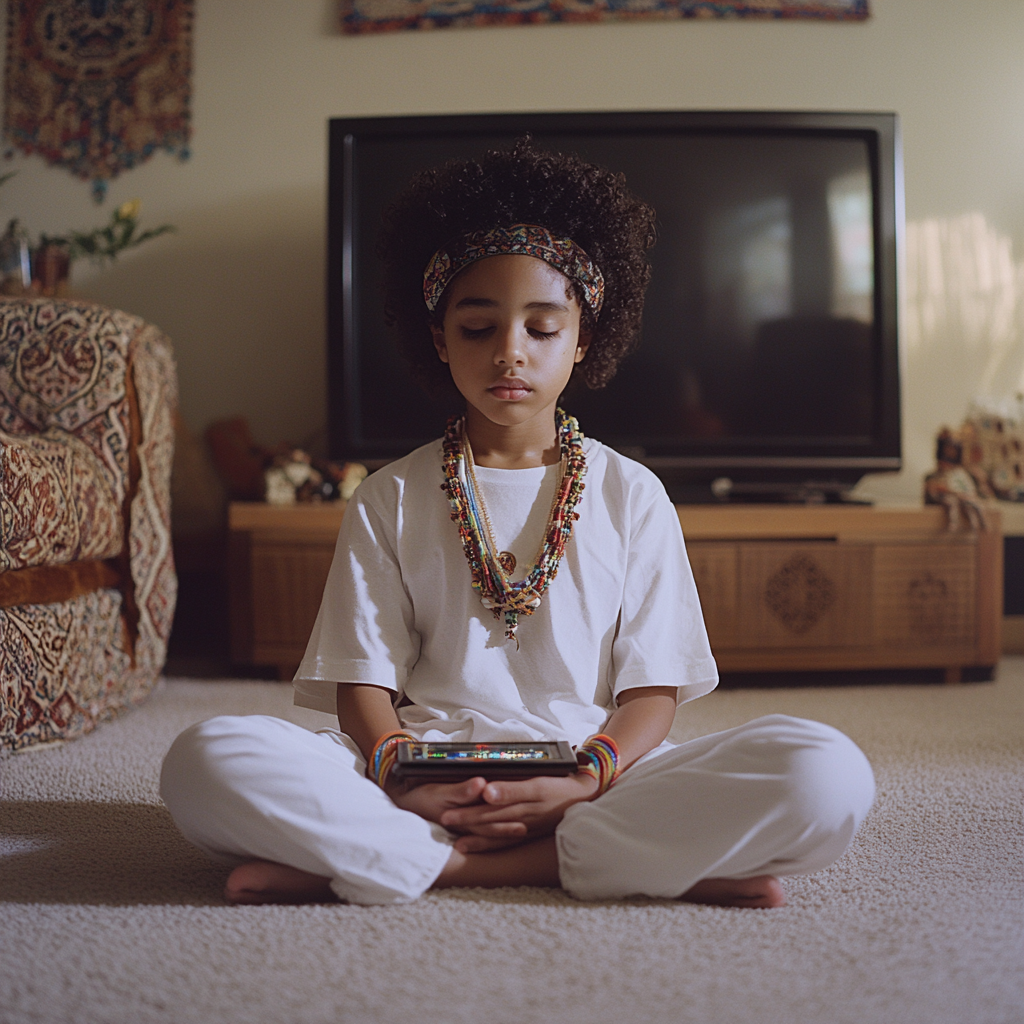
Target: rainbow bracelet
(599,757)
(385,753)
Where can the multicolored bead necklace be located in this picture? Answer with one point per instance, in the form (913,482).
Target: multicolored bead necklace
(490,577)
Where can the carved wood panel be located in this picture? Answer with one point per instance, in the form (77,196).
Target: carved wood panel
(925,594)
(804,595)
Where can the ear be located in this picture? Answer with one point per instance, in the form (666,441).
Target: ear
(582,344)
(437,333)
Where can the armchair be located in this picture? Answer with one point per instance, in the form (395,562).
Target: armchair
(87,580)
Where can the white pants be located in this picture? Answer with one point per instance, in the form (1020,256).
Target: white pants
(778,796)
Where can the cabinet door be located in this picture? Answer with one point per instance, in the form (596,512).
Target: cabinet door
(287,585)
(804,594)
(714,571)
(925,594)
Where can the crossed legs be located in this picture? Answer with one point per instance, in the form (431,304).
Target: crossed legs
(533,863)
(721,817)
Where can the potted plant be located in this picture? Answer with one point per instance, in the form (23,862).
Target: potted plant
(52,259)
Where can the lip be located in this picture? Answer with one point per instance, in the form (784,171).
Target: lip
(510,389)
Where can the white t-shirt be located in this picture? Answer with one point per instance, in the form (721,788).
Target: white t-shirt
(399,610)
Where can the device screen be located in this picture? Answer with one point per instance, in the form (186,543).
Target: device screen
(447,753)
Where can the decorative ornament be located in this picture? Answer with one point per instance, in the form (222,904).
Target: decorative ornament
(490,577)
(800,593)
(982,459)
(953,484)
(929,605)
(98,86)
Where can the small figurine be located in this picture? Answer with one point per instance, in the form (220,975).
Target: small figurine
(294,475)
(279,489)
(281,475)
(996,451)
(954,486)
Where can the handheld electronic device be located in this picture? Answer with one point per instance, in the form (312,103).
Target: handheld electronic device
(452,762)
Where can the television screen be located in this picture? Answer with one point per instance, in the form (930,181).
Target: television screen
(769,339)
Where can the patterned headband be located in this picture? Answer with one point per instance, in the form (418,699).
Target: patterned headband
(519,240)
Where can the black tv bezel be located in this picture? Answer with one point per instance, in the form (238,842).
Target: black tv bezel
(818,463)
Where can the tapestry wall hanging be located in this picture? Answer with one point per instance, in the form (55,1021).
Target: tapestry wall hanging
(98,86)
(359,16)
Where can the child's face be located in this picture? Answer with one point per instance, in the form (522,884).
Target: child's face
(511,336)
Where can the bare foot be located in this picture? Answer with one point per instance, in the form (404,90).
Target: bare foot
(536,863)
(262,881)
(762,891)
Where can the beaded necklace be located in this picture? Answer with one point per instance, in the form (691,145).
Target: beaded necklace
(489,575)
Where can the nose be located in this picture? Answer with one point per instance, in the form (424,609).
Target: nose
(508,349)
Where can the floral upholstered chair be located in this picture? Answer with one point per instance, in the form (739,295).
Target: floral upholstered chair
(87,581)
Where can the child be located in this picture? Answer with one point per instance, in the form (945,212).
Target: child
(508,277)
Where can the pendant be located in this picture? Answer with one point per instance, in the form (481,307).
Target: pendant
(507,561)
(512,627)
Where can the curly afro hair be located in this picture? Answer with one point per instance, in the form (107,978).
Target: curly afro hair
(524,185)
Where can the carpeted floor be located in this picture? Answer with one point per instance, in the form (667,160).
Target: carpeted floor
(109,916)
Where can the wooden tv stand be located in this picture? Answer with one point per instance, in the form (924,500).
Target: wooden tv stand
(783,587)
(846,587)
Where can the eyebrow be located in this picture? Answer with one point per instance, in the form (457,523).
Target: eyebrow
(556,307)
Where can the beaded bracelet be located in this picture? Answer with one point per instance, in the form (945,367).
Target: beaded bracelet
(599,757)
(385,753)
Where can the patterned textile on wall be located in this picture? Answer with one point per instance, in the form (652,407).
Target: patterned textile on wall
(107,379)
(391,15)
(98,86)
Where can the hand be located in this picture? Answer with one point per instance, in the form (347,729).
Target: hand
(432,800)
(513,812)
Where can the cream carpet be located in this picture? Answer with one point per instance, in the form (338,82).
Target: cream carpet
(109,916)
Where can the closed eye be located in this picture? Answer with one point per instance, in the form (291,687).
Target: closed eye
(476,333)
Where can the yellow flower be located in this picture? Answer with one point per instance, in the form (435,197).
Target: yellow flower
(129,210)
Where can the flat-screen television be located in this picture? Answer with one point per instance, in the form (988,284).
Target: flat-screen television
(768,361)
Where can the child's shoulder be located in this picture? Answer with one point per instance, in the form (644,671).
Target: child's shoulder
(389,483)
(621,480)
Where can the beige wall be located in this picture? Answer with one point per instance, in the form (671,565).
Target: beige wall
(240,287)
